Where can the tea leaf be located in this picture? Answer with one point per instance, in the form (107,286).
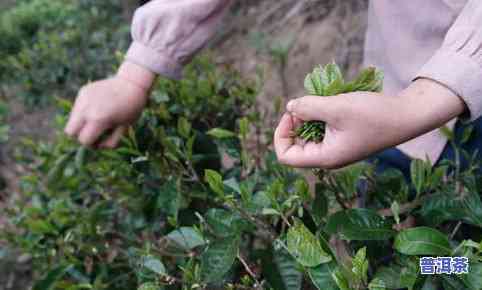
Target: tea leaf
(80,157)
(40,227)
(225,223)
(340,280)
(291,276)
(305,247)
(360,265)
(330,74)
(320,204)
(359,224)
(310,86)
(149,286)
(422,241)
(153,264)
(369,80)
(396,276)
(473,280)
(52,277)
(215,181)
(329,81)
(218,259)
(55,174)
(184,127)
(377,284)
(419,172)
(221,133)
(187,238)
(322,276)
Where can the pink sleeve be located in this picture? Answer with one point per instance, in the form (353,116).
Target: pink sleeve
(458,63)
(167,33)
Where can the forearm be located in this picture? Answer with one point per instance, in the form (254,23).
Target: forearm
(427,105)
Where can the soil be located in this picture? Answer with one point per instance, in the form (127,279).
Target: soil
(319,32)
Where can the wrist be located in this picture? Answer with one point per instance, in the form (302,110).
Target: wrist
(136,75)
(429,104)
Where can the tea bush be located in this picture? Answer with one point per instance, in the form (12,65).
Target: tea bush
(194,199)
(50,48)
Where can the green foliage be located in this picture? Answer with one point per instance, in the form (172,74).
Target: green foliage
(305,247)
(288,269)
(359,224)
(4,129)
(422,241)
(52,47)
(360,265)
(323,276)
(166,211)
(329,81)
(218,258)
(399,274)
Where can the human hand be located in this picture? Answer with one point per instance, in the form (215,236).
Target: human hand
(109,105)
(361,124)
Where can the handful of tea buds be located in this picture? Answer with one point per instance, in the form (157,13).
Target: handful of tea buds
(329,81)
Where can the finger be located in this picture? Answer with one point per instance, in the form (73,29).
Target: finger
(287,151)
(292,154)
(91,132)
(297,122)
(308,155)
(314,108)
(74,124)
(283,135)
(112,141)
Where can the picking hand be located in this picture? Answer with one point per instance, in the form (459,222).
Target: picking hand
(109,105)
(361,124)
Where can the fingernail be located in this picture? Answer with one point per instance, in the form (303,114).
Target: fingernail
(290,105)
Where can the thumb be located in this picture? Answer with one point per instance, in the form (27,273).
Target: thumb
(317,108)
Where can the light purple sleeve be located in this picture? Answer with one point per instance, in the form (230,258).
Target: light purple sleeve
(168,33)
(458,63)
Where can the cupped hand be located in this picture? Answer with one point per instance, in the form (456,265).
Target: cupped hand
(361,124)
(106,108)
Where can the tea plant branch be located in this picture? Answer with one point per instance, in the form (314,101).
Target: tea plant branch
(455,230)
(193,172)
(285,218)
(171,280)
(361,194)
(330,180)
(248,269)
(268,233)
(408,222)
(404,208)
(339,199)
(342,251)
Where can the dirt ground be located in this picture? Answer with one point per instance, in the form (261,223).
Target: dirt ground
(309,32)
(318,31)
